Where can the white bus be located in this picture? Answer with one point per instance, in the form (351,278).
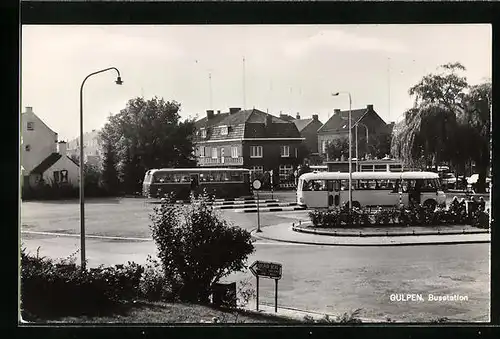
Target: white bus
(331,189)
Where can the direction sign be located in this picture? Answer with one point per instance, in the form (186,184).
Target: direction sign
(266,269)
(256,184)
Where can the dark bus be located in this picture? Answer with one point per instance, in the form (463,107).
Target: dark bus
(221,182)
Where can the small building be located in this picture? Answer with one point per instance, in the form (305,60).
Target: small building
(91,148)
(374,165)
(365,119)
(57,168)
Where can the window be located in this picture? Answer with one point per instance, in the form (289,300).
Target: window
(27,148)
(56,176)
(285,171)
(203,133)
(234,152)
(323,146)
(296,152)
(315,185)
(64,176)
(222,152)
(202,151)
(30,126)
(224,130)
(255,151)
(380,168)
(236,176)
(395,168)
(258,169)
(214,152)
(285,151)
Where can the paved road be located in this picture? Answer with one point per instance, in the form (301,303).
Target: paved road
(316,278)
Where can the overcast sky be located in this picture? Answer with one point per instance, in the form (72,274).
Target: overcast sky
(287,68)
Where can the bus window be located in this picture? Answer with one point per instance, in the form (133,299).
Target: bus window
(316,185)
(236,176)
(428,185)
(330,185)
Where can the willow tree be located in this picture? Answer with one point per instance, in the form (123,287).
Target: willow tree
(449,123)
(426,135)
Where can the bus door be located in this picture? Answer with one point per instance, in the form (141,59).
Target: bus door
(333,193)
(415,191)
(195,181)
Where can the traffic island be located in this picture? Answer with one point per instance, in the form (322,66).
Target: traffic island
(289,233)
(387,230)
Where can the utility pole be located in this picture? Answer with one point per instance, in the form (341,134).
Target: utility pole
(389,88)
(244,85)
(210,89)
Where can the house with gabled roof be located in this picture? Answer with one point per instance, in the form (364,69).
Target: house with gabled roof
(43,158)
(249,139)
(338,126)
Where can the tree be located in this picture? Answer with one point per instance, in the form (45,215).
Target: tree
(449,123)
(337,148)
(109,177)
(148,134)
(476,121)
(197,247)
(427,134)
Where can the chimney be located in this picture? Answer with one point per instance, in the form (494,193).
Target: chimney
(315,117)
(336,111)
(233,110)
(29,109)
(218,111)
(369,107)
(269,120)
(297,116)
(210,113)
(61,147)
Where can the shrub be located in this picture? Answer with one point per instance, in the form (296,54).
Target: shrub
(153,285)
(61,288)
(197,247)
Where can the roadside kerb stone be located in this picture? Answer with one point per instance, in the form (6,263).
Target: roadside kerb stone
(303,227)
(284,233)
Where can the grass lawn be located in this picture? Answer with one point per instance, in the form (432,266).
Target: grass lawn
(162,312)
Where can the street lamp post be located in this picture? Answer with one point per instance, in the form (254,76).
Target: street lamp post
(82,181)
(357,157)
(350,149)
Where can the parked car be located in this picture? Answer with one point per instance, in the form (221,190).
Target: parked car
(448,180)
(472,182)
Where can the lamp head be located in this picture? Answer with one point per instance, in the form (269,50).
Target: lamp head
(335,94)
(119,81)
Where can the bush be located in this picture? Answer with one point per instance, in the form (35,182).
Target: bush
(52,289)
(153,284)
(416,215)
(197,247)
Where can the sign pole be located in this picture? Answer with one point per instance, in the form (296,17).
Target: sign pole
(258,215)
(276,296)
(257,293)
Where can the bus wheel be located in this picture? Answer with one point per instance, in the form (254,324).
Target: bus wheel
(356,204)
(430,204)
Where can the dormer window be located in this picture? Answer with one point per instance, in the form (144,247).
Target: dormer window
(30,126)
(224,130)
(203,133)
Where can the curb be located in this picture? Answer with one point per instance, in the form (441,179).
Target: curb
(387,234)
(254,206)
(305,242)
(272,209)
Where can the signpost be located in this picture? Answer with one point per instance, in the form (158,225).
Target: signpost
(271,174)
(269,270)
(257,185)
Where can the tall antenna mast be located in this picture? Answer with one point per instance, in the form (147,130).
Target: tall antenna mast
(389,89)
(244,86)
(210,89)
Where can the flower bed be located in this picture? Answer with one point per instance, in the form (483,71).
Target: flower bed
(416,215)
